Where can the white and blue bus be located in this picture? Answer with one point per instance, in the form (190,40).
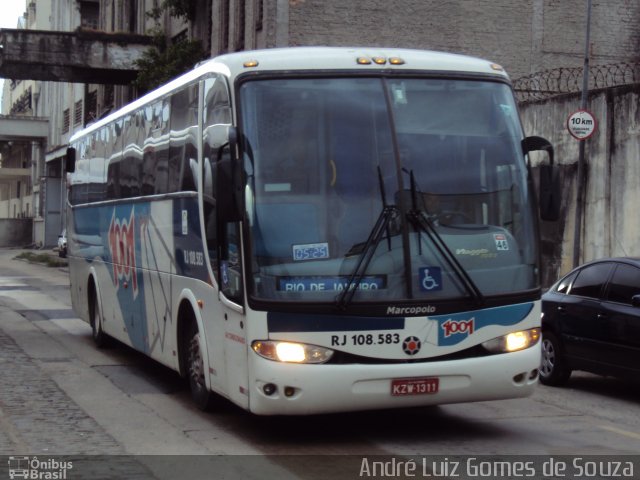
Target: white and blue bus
(314,230)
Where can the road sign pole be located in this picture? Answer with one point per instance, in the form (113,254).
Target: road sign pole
(581,168)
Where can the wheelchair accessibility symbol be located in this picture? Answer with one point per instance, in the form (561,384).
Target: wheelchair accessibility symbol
(430,279)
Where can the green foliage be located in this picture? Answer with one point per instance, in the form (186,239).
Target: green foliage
(41,258)
(163,62)
(176,8)
(181,8)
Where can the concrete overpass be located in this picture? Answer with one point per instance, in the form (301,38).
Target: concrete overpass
(74,57)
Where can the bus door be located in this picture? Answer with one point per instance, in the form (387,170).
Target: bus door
(226,334)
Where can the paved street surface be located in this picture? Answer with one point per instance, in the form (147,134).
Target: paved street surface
(133,418)
(36,415)
(47,357)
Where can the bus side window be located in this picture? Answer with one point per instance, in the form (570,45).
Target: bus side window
(227,237)
(230,265)
(216,117)
(209,204)
(223,239)
(183,146)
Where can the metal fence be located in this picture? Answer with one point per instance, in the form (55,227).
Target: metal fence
(548,83)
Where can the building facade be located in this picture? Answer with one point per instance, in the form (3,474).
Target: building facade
(525,36)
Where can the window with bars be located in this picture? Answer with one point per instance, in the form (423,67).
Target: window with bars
(77,113)
(108,96)
(89,14)
(66,120)
(91,106)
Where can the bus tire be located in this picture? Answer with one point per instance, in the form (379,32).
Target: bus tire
(554,368)
(202,396)
(100,338)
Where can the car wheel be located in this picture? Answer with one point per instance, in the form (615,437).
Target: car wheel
(554,368)
(202,396)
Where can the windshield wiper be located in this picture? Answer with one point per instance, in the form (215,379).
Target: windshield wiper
(388,213)
(422,222)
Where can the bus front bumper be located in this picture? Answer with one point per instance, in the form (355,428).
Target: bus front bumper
(293,389)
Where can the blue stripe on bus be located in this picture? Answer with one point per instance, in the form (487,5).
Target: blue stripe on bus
(299,322)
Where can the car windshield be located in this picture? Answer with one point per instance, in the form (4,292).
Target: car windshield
(390,188)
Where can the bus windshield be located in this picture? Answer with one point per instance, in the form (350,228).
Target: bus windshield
(379,189)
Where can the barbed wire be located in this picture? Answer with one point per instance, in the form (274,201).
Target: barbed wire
(548,83)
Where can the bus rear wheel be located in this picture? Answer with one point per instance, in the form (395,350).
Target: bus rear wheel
(202,396)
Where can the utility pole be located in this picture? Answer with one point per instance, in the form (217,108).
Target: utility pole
(581,163)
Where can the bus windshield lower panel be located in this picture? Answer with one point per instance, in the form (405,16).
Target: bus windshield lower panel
(393,189)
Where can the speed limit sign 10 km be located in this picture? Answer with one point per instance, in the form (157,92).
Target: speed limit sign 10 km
(581,124)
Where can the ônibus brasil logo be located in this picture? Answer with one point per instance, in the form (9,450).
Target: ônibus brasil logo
(123,250)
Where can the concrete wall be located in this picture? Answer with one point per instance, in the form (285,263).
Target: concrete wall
(610,225)
(15,232)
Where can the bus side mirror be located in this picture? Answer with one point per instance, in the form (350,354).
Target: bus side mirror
(70,163)
(549,185)
(229,180)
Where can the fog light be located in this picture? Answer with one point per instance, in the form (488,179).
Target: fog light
(289,391)
(269,389)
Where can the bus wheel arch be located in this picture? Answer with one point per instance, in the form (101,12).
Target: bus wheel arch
(192,356)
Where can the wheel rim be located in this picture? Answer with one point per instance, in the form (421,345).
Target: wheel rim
(548,361)
(196,364)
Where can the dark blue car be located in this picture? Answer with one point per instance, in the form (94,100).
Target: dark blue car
(591,322)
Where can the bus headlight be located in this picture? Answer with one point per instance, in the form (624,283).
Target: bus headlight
(513,341)
(291,352)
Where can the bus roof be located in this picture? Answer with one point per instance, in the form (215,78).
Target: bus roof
(345,58)
(348,59)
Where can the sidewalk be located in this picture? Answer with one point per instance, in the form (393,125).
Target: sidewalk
(37,418)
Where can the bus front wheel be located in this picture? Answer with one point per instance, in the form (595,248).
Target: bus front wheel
(99,337)
(202,396)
